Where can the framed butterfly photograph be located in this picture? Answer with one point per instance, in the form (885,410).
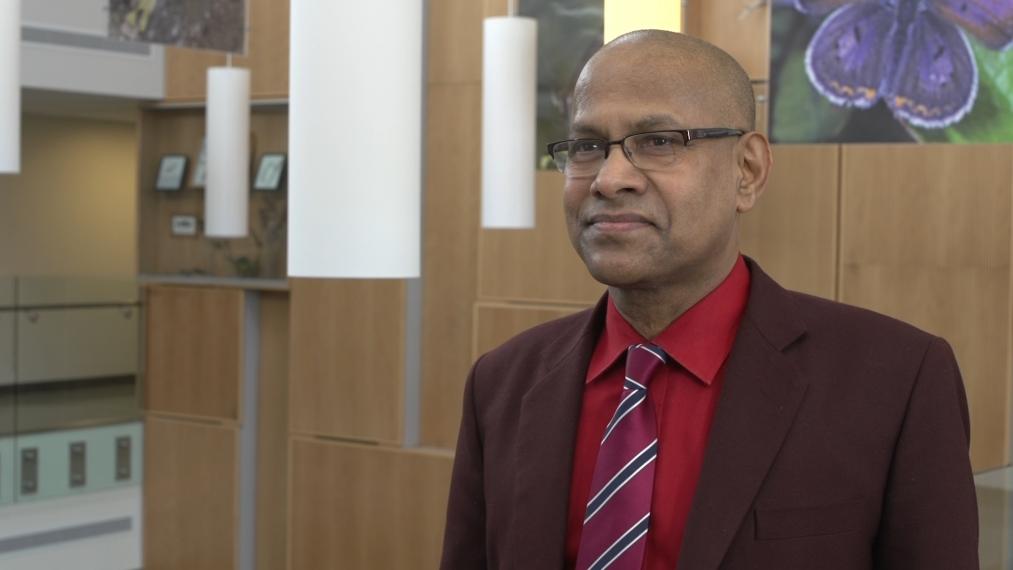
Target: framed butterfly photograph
(891,71)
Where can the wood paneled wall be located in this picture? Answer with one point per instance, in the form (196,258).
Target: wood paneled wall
(190,495)
(925,237)
(194,351)
(451,208)
(793,229)
(194,374)
(347,359)
(359,507)
(740,27)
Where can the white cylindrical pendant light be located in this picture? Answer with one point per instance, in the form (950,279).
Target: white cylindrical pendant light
(227,187)
(509,89)
(10,86)
(355,139)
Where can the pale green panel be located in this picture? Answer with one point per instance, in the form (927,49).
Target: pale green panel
(7,292)
(7,470)
(7,320)
(40,291)
(77,343)
(100,460)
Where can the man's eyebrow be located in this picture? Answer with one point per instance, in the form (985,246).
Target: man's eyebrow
(656,122)
(581,130)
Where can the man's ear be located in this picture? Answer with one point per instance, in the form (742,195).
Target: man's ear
(754,161)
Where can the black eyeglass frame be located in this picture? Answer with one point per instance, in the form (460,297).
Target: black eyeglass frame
(688,135)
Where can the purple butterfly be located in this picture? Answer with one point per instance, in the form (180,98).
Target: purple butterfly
(910,53)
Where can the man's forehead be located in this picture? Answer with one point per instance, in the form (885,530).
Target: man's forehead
(609,124)
(632,106)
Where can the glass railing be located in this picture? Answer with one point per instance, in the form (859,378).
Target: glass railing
(69,399)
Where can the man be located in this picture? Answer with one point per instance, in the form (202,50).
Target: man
(701,417)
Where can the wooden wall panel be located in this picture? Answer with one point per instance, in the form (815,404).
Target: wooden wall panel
(194,340)
(792,232)
(190,496)
(266,57)
(358,507)
(740,27)
(346,377)
(454,41)
(496,7)
(272,433)
(539,264)
(925,237)
(267,50)
(450,254)
(496,323)
(186,73)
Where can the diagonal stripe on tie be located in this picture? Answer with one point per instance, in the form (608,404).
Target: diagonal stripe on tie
(657,352)
(631,383)
(629,403)
(622,544)
(630,470)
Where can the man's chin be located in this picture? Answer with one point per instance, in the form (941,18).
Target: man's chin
(615,276)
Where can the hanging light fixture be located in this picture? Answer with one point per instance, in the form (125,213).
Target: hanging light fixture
(509,87)
(227,189)
(355,139)
(10,86)
(622,16)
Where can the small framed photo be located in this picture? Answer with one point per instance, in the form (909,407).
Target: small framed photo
(270,172)
(199,178)
(171,171)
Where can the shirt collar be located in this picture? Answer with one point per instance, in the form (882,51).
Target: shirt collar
(699,340)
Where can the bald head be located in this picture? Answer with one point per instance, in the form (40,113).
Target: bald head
(691,69)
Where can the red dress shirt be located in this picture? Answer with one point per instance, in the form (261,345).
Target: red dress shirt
(684,396)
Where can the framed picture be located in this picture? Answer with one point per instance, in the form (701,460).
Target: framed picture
(270,172)
(171,171)
(200,167)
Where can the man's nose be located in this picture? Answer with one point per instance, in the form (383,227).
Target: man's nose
(617,174)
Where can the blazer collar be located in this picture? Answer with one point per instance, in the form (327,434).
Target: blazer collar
(549,414)
(761,395)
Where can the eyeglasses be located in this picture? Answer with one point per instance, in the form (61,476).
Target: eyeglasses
(655,150)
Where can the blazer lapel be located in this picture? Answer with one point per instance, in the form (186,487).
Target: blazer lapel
(761,395)
(550,412)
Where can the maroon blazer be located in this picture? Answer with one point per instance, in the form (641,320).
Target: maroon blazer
(840,442)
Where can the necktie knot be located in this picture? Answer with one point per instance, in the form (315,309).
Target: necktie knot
(642,360)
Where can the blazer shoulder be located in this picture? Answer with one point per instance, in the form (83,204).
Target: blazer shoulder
(861,327)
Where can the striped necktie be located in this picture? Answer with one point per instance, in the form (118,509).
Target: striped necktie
(618,512)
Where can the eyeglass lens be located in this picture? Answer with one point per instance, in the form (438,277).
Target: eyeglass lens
(649,151)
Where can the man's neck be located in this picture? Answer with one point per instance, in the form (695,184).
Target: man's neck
(650,310)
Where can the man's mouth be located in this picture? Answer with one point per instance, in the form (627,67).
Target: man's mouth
(618,222)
